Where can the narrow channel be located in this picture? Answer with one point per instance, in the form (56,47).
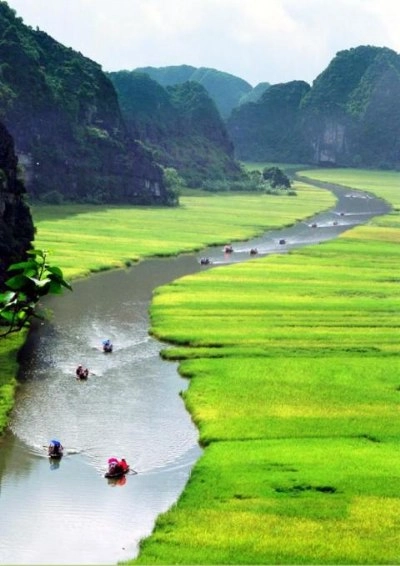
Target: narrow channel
(129,407)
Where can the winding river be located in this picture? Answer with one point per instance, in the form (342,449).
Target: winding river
(129,407)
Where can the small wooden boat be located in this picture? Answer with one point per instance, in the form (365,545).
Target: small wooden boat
(118,473)
(55,450)
(82,373)
(56,456)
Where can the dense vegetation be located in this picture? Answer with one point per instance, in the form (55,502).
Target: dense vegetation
(349,116)
(180,124)
(294,383)
(63,114)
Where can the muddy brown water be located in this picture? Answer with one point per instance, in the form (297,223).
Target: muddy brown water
(68,513)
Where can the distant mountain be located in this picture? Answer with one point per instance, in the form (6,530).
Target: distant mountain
(225,89)
(179,123)
(63,114)
(255,94)
(350,116)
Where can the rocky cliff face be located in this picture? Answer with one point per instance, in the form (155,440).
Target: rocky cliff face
(16,226)
(330,143)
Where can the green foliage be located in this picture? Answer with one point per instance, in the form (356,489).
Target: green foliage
(333,87)
(276,177)
(174,183)
(31,280)
(9,349)
(251,183)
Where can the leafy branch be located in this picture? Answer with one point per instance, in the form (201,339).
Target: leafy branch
(31,280)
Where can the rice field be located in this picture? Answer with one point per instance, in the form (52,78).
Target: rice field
(294,373)
(84,239)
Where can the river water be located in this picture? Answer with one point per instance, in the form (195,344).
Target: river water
(129,407)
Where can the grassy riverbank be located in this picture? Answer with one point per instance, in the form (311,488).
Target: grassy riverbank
(295,387)
(85,239)
(9,348)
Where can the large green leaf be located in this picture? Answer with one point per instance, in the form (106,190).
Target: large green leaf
(23,265)
(17,282)
(7,296)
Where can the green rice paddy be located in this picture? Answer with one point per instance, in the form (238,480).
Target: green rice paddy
(294,372)
(84,239)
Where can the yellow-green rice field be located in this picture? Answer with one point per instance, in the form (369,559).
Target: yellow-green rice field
(294,372)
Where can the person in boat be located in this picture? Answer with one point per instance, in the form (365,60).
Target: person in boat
(112,465)
(55,448)
(123,465)
(116,466)
(81,372)
(107,346)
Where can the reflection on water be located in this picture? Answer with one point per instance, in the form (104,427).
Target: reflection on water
(129,407)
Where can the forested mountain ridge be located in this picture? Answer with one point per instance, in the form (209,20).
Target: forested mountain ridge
(226,90)
(64,116)
(350,116)
(16,225)
(180,123)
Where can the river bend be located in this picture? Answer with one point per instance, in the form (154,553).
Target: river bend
(129,407)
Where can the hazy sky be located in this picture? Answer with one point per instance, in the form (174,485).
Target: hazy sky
(257,40)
